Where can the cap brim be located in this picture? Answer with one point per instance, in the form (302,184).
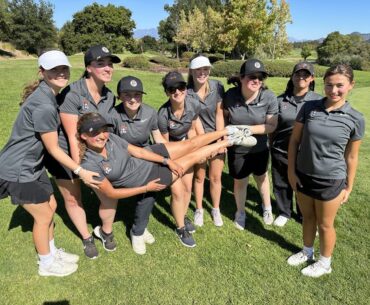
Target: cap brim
(115,59)
(303,69)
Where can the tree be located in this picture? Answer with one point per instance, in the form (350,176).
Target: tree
(277,43)
(306,51)
(4,21)
(98,24)
(31,25)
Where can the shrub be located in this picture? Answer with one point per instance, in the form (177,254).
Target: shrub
(185,56)
(226,68)
(164,61)
(214,57)
(136,62)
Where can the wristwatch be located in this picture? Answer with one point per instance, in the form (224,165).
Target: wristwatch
(165,161)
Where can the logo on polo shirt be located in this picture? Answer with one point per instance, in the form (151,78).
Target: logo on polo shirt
(106,168)
(172,124)
(123,128)
(85,104)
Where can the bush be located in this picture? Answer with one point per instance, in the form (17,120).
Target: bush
(164,61)
(185,56)
(214,57)
(273,68)
(136,62)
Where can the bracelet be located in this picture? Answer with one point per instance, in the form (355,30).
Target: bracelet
(77,170)
(165,161)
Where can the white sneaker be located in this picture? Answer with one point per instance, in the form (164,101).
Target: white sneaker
(57,268)
(299,258)
(280,221)
(268,218)
(148,237)
(198,217)
(217,219)
(66,257)
(316,269)
(236,139)
(138,243)
(239,220)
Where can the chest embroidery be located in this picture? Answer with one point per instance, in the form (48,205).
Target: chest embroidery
(106,167)
(123,128)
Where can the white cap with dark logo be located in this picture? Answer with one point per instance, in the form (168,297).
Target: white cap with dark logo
(52,59)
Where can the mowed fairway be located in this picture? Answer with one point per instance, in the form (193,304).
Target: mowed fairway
(227,266)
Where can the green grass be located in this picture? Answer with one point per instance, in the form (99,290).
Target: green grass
(226,267)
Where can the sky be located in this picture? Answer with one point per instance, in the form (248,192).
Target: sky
(312,19)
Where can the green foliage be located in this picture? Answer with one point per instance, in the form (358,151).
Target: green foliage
(185,56)
(226,68)
(165,61)
(4,21)
(213,57)
(31,25)
(306,51)
(349,49)
(98,24)
(136,62)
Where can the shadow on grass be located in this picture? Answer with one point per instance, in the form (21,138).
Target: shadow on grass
(64,302)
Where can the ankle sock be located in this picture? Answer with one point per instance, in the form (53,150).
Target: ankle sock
(52,247)
(326,261)
(46,260)
(308,250)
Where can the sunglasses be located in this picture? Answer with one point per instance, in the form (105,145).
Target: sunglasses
(260,77)
(172,90)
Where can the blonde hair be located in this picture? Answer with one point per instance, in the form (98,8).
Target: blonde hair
(28,90)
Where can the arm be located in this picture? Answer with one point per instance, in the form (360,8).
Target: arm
(158,137)
(199,127)
(295,140)
(108,190)
(268,127)
(50,141)
(220,122)
(192,131)
(351,157)
(69,122)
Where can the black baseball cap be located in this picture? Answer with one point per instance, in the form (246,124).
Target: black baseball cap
(253,66)
(173,79)
(130,83)
(93,124)
(98,52)
(304,65)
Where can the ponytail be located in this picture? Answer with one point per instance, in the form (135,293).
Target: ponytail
(28,90)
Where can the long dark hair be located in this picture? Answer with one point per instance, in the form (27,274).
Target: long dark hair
(289,91)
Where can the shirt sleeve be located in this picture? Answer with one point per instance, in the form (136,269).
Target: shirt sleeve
(301,116)
(220,92)
(358,130)
(273,107)
(71,103)
(162,121)
(90,165)
(45,118)
(154,120)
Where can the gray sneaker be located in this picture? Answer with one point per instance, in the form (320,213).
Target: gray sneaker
(89,248)
(189,225)
(57,268)
(108,241)
(185,237)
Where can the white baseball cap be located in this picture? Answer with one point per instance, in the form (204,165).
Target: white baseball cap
(52,59)
(200,61)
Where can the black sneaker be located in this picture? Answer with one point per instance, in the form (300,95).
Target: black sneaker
(107,239)
(185,237)
(189,225)
(90,248)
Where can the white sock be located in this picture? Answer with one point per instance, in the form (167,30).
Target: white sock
(216,209)
(46,260)
(326,261)
(53,249)
(308,250)
(267,208)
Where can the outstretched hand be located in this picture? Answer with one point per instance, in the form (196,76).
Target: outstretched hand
(88,178)
(175,168)
(154,186)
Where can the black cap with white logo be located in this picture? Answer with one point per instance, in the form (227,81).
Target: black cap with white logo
(252,66)
(304,65)
(130,83)
(99,52)
(94,124)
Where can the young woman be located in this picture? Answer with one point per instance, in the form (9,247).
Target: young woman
(208,93)
(300,89)
(137,122)
(252,104)
(127,170)
(88,94)
(22,172)
(177,120)
(322,162)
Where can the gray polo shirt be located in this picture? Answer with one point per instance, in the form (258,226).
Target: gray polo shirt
(177,128)
(135,131)
(325,137)
(254,113)
(120,168)
(289,106)
(76,99)
(208,107)
(22,157)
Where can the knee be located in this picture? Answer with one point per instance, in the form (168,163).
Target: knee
(324,227)
(72,202)
(45,219)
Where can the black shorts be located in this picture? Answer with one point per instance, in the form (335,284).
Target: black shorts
(242,165)
(159,170)
(320,189)
(57,170)
(37,191)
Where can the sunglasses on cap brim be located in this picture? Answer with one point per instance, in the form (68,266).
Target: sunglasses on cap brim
(260,77)
(173,89)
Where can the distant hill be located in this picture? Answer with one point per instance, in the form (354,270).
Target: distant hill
(366,37)
(139,33)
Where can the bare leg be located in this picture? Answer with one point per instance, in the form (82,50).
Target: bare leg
(187,181)
(182,148)
(240,193)
(107,211)
(263,185)
(309,222)
(200,175)
(216,165)
(325,213)
(53,206)
(71,192)
(43,217)
(177,202)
